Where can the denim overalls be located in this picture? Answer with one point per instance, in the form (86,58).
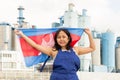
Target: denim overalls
(65,66)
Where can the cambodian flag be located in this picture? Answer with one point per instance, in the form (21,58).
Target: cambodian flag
(43,36)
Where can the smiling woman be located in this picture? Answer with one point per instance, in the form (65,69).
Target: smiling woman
(62,39)
(64,52)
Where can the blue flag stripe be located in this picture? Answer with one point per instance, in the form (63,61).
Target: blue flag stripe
(34,32)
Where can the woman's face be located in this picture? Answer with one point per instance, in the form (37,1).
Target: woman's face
(62,39)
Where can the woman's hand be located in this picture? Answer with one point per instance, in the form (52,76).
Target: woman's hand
(87,31)
(18,32)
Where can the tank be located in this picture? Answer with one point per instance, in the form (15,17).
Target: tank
(108,50)
(96,56)
(5,36)
(117,54)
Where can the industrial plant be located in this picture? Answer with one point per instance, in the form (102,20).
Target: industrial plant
(105,59)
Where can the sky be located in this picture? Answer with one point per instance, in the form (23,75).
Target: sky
(105,14)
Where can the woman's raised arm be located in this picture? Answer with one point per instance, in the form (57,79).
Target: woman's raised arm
(45,49)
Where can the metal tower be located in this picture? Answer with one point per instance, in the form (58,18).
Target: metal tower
(20,18)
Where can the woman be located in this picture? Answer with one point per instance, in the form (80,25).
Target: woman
(66,61)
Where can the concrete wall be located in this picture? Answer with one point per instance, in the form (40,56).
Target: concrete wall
(98,76)
(29,75)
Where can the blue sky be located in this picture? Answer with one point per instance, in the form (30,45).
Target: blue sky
(104,13)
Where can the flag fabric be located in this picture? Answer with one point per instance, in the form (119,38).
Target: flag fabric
(45,37)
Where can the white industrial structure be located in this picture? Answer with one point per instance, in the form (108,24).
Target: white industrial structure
(71,17)
(117,53)
(5,37)
(11,60)
(118,58)
(96,56)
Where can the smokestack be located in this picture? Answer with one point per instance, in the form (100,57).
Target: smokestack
(20,18)
(71,6)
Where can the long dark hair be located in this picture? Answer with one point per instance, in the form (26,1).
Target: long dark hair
(56,45)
